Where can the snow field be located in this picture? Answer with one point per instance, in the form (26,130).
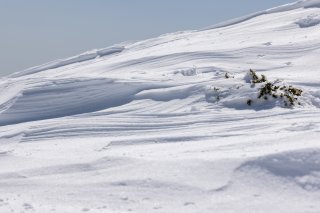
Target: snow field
(155,126)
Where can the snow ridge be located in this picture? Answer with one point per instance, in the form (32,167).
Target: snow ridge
(164,125)
(283,8)
(76,59)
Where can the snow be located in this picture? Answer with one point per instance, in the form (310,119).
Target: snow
(309,21)
(155,126)
(283,8)
(76,59)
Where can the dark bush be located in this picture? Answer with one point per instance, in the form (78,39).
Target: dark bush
(288,94)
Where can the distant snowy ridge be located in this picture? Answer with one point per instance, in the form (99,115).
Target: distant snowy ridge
(283,8)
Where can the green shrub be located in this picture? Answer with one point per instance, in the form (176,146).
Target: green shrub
(288,94)
(256,78)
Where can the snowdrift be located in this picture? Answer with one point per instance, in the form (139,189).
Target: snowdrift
(164,125)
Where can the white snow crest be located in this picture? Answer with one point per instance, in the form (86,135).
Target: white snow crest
(171,124)
(284,8)
(76,59)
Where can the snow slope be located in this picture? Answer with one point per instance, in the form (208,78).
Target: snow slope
(154,126)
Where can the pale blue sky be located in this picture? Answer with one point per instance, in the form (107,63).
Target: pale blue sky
(37,31)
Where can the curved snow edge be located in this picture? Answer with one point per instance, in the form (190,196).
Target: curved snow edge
(287,7)
(64,62)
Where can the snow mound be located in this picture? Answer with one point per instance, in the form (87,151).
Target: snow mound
(242,94)
(310,21)
(187,72)
(301,167)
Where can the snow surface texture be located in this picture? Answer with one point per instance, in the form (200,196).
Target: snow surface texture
(154,126)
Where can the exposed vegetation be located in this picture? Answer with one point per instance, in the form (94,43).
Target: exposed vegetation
(227,75)
(288,94)
(256,78)
(261,91)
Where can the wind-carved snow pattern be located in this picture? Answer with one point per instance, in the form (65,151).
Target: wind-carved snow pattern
(164,125)
(68,97)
